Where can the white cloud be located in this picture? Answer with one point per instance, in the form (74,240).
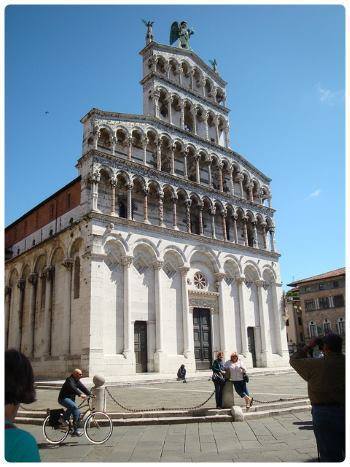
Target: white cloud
(327,96)
(314,194)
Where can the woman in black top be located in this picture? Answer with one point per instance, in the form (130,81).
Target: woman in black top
(218,378)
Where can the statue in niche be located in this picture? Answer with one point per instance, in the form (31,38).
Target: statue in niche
(182,32)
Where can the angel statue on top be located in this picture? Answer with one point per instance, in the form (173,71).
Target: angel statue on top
(182,32)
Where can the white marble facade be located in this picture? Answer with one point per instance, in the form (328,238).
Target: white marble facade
(171,221)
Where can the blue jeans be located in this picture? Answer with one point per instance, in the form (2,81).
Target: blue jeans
(329,429)
(218,394)
(241,388)
(71,407)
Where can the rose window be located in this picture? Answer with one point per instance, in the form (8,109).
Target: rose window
(200,280)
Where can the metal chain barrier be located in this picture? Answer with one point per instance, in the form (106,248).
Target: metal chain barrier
(32,410)
(128,409)
(281,400)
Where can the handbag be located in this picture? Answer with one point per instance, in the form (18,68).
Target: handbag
(218,378)
(245,377)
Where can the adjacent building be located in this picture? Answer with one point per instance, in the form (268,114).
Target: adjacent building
(294,321)
(161,252)
(322,303)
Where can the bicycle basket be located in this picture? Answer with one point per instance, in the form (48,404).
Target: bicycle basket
(54,417)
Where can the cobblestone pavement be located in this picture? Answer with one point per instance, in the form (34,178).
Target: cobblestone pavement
(284,438)
(179,395)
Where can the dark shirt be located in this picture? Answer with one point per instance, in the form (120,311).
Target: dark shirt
(71,388)
(218,366)
(181,373)
(325,377)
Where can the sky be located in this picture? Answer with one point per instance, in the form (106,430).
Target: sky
(285,70)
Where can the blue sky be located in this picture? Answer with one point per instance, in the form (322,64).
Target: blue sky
(285,71)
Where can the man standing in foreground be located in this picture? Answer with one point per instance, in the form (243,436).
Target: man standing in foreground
(326,388)
(73,387)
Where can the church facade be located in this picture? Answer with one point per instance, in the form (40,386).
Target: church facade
(161,252)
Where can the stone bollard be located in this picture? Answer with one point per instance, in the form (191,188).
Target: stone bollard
(227,395)
(98,390)
(237,413)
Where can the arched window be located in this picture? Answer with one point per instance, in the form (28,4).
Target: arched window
(341,326)
(312,329)
(326,326)
(76,277)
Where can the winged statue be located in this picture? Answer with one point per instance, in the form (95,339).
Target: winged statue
(214,64)
(181,32)
(149,26)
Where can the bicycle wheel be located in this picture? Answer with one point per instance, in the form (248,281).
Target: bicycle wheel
(98,427)
(54,435)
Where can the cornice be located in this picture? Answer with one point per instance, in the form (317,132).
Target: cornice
(236,249)
(149,172)
(156,121)
(196,95)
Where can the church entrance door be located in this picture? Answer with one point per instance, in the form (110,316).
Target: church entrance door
(202,338)
(251,344)
(140,346)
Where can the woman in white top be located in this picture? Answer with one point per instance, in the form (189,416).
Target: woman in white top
(237,370)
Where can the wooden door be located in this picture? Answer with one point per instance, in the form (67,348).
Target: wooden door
(251,344)
(140,346)
(202,338)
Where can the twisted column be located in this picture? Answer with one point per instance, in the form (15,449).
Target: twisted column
(188,203)
(145,206)
(182,115)
(161,211)
(201,230)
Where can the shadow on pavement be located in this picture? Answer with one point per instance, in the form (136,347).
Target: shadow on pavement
(304,425)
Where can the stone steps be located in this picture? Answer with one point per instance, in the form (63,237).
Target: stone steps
(184,416)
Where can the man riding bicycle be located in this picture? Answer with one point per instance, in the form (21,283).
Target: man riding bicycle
(73,387)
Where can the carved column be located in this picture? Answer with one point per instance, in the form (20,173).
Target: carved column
(182,117)
(222,327)
(67,324)
(114,143)
(145,207)
(128,350)
(198,175)
(172,159)
(157,265)
(235,217)
(113,189)
(185,164)
(188,203)
(224,230)
(49,272)
(255,233)
(156,104)
(221,181)
(21,285)
(174,200)
(201,230)
(144,147)
(95,178)
(130,148)
(250,192)
(232,186)
(161,211)
(170,110)
(245,231)
(185,311)
(263,230)
(244,339)
(206,126)
(272,238)
(216,123)
(227,136)
(159,156)
(202,83)
(210,178)
(129,201)
(33,280)
(191,78)
(239,179)
(212,214)
(194,115)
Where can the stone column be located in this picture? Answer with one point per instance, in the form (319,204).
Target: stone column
(157,265)
(161,211)
(206,126)
(159,156)
(194,115)
(272,239)
(172,159)
(145,207)
(156,104)
(185,312)
(250,192)
(222,326)
(227,136)
(221,181)
(201,230)
(212,214)
(182,117)
(185,164)
(8,295)
(114,143)
(188,203)
(129,201)
(33,280)
(21,285)
(128,350)
(263,229)
(224,230)
(239,179)
(191,78)
(130,148)
(144,147)
(235,217)
(174,200)
(202,82)
(216,123)
(255,240)
(259,284)
(95,178)
(232,186)
(67,324)
(49,272)
(245,220)
(277,313)
(244,338)
(210,179)
(113,189)
(170,100)
(198,175)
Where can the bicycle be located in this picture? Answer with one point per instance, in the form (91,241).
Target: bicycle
(97,427)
